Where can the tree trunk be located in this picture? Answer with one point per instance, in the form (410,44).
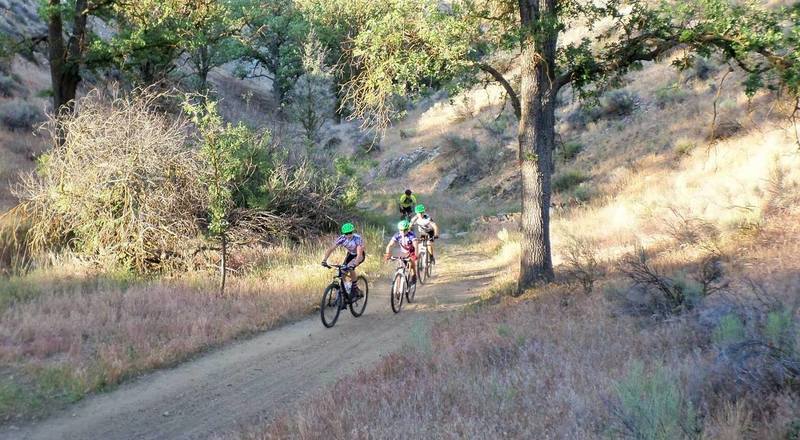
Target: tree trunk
(223,264)
(536,140)
(65,57)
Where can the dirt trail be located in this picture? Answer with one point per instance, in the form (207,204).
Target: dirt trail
(245,382)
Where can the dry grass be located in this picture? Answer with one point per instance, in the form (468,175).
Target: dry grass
(69,331)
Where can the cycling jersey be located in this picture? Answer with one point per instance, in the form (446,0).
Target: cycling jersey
(424,222)
(350,242)
(408,201)
(406,241)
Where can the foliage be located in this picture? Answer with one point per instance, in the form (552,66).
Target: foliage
(581,261)
(730,329)
(652,406)
(311,99)
(568,179)
(16,114)
(570,150)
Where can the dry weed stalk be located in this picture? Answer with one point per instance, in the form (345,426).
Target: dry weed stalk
(122,186)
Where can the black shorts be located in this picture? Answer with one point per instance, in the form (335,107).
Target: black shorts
(350,257)
(406,210)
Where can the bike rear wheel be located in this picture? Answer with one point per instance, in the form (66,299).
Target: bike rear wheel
(411,291)
(330,306)
(396,294)
(357,307)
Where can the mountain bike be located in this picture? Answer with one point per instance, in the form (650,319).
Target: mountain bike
(424,261)
(401,284)
(335,298)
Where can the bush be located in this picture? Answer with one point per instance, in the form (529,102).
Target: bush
(123,190)
(652,407)
(684,148)
(7,86)
(581,261)
(568,179)
(729,330)
(570,150)
(669,95)
(20,115)
(618,103)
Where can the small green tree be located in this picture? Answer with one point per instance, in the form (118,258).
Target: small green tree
(311,99)
(235,160)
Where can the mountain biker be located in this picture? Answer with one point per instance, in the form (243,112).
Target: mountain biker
(407,202)
(356,254)
(408,243)
(426,226)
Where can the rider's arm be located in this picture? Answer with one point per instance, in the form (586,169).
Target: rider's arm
(329,252)
(389,246)
(435,229)
(359,256)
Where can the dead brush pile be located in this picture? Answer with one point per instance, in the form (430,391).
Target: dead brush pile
(123,186)
(129,188)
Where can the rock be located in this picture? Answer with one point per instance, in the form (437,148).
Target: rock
(444,183)
(166,414)
(399,166)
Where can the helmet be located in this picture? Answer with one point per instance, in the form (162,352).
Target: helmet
(419,209)
(348,228)
(408,192)
(403,226)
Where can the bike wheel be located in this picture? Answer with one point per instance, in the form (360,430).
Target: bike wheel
(422,267)
(411,291)
(429,267)
(357,307)
(396,295)
(329,307)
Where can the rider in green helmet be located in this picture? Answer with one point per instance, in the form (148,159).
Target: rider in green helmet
(408,243)
(356,254)
(426,226)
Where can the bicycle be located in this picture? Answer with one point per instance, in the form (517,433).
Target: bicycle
(424,261)
(335,298)
(401,285)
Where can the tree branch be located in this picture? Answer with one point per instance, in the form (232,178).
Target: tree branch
(512,94)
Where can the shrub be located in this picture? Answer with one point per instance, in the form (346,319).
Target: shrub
(570,150)
(618,103)
(652,407)
(20,115)
(7,85)
(670,94)
(729,330)
(581,261)
(657,294)
(568,179)
(684,148)
(123,189)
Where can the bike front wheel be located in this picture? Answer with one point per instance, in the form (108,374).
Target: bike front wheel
(357,307)
(396,294)
(422,267)
(330,306)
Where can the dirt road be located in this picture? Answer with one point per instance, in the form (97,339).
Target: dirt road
(246,382)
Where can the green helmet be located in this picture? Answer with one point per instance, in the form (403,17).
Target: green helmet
(403,226)
(348,228)
(419,209)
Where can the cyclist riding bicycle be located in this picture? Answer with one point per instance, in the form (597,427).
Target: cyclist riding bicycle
(356,255)
(408,243)
(426,226)
(407,202)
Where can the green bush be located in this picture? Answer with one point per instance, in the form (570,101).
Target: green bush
(652,406)
(730,330)
(570,150)
(670,94)
(20,115)
(779,330)
(568,179)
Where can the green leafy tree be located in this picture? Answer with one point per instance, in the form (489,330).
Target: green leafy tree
(311,99)
(273,39)
(398,52)
(236,163)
